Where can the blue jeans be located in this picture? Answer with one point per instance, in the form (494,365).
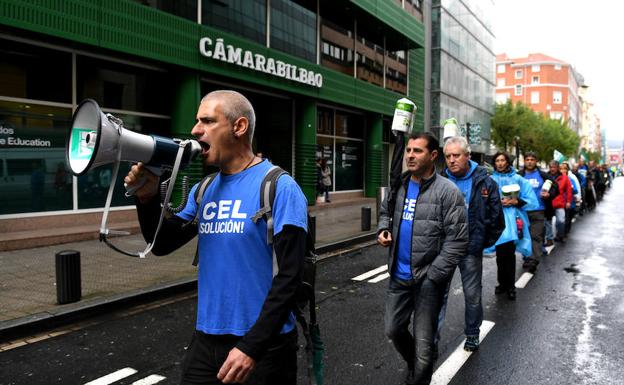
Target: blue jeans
(559,223)
(471,270)
(423,300)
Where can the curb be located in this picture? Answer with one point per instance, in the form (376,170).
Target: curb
(25,326)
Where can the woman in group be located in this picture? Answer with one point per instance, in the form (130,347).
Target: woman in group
(326,180)
(516,236)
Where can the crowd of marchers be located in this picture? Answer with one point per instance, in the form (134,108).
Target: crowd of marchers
(451,218)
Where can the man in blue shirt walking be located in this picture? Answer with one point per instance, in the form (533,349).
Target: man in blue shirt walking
(427,236)
(536,178)
(245,330)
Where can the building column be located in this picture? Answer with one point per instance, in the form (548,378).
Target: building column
(374,156)
(183,112)
(305,147)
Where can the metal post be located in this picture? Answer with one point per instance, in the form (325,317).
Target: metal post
(468,132)
(312,227)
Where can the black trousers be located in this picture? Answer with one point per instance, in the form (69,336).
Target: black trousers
(207,352)
(506,265)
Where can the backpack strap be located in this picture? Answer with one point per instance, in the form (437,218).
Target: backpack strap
(199,196)
(268,189)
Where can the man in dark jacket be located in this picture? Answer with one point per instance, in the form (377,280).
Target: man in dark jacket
(485,224)
(428,236)
(537,217)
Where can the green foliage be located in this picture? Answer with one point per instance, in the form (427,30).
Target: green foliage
(535,132)
(596,156)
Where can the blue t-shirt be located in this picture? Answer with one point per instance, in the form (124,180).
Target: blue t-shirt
(235,261)
(536,181)
(403,269)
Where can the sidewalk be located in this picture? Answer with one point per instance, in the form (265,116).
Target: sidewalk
(28,277)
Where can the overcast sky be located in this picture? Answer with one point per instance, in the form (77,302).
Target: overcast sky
(587,34)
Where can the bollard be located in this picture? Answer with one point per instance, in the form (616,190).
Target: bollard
(312,227)
(68,284)
(366,218)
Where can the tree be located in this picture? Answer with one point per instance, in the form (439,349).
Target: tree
(536,132)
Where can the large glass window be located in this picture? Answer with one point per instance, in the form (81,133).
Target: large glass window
(123,87)
(349,168)
(293,29)
(32,72)
(370,59)
(340,140)
(246,18)
(337,45)
(33,173)
(183,8)
(396,71)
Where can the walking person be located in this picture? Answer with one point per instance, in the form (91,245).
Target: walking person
(570,213)
(326,179)
(427,236)
(245,329)
(561,202)
(485,224)
(545,189)
(517,197)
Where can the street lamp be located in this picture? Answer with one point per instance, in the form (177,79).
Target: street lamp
(517,143)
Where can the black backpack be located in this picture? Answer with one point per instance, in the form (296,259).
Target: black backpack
(305,292)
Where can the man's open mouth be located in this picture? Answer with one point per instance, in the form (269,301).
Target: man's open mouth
(205,147)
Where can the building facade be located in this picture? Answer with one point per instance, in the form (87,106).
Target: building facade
(462,68)
(543,83)
(323,77)
(589,130)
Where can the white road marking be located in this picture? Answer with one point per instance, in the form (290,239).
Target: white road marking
(149,380)
(523,280)
(451,366)
(115,376)
(369,274)
(379,278)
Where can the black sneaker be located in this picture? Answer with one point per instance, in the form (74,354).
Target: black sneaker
(499,289)
(530,264)
(471,344)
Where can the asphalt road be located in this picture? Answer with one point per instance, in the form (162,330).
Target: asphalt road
(566,326)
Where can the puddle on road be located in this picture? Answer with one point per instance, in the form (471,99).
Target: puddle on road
(592,280)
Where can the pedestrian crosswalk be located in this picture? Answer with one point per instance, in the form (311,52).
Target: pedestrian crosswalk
(382,270)
(124,373)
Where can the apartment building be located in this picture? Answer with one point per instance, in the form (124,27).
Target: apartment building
(545,84)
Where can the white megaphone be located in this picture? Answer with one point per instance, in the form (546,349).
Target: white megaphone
(96,139)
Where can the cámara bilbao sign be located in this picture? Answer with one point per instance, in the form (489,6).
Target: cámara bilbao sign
(218,50)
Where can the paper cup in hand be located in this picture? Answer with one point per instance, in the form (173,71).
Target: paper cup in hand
(547,185)
(511,191)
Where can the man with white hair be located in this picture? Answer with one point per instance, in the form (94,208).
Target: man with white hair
(485,225)
(245,329)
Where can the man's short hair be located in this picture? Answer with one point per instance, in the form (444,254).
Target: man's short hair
(432,141)
(530,154)
(463,144)
(553,163)
(234,106)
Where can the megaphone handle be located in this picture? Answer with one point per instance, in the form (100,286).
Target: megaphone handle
(141,181)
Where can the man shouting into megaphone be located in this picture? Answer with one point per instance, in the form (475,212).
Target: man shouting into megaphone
(245,330)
